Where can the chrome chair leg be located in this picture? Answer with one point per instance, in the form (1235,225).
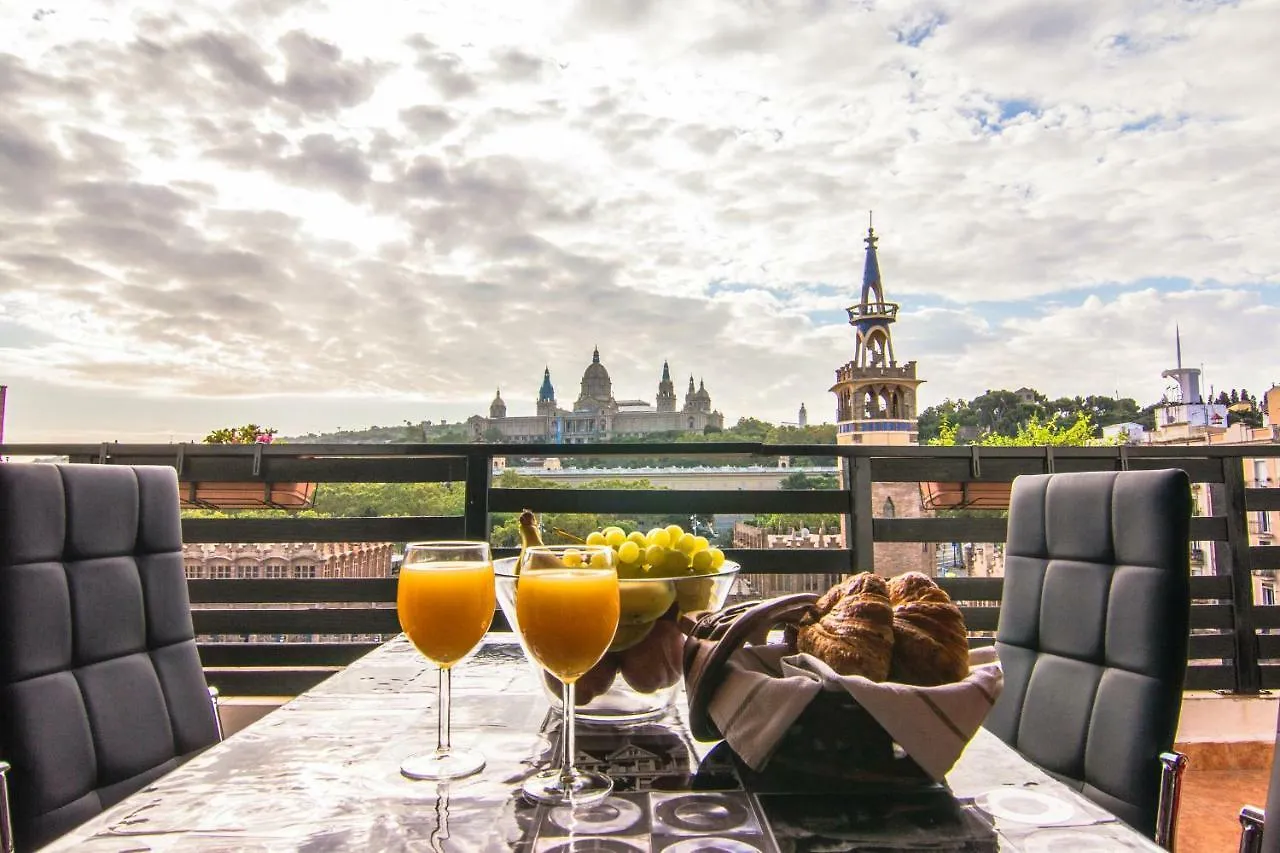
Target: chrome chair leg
(1172,766)
(6,825)
(1251,820)
(215,701)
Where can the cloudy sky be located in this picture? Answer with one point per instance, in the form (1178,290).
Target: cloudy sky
(315,215)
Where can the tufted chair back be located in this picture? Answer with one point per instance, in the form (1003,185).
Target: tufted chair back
(1093,630)
(101,689)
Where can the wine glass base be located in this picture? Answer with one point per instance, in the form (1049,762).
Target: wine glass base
(453,764)
(584,787)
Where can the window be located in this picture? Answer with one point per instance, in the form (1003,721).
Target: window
(304,571)
(1260,473)
(1267,595)
(243,572)
(276,571)
(1264,521)
(888,510)
(220,572)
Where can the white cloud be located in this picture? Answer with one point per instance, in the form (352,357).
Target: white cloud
(293,200)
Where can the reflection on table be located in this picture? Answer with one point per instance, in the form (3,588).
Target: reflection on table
(320,774)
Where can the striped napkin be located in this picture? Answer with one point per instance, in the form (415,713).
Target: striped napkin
(765,689)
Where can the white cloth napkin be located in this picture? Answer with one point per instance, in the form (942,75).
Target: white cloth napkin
(765,690)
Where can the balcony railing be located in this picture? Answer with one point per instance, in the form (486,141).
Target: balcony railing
(1233,647)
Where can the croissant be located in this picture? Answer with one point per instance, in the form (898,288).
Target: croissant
(851,628)
(930,643)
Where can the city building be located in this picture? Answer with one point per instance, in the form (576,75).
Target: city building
(280,560)
(597,415)
(876,404)
(1185,418)
(287,560)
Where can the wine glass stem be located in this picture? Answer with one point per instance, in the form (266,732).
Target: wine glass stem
(442,723)
(567,740)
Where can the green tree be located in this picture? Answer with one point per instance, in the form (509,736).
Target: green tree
(801,480)
(389,499)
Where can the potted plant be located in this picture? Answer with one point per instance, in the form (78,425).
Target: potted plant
(981,494)
(253,494)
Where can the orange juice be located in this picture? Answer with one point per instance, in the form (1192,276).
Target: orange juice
(445,607)
(567,617)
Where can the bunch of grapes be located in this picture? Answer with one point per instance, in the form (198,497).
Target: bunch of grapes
(663,552)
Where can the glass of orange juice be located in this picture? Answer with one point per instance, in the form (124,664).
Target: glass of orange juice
(567,608)
(445,601)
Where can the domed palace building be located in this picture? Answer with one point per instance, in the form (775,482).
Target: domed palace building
(597,415)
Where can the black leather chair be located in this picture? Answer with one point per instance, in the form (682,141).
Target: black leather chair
(101,689)
(1260,830)
(1093,636)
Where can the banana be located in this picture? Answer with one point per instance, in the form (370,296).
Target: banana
(529,536)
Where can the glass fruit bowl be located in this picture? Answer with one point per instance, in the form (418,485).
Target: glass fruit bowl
(639,677)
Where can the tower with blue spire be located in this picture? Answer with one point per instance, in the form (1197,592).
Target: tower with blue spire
(546,395)
(875,395)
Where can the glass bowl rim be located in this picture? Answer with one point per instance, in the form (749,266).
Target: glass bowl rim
(730,567)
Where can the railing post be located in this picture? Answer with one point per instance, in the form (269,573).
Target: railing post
(861,544)
(475,508)
(1248,675)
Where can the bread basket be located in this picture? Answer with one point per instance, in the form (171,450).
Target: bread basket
(833,738)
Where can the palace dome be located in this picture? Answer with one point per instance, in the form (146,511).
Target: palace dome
(596,384)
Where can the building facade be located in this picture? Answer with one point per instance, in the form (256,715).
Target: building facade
(597,415)
(294,560)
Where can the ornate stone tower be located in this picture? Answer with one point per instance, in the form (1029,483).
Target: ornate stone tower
(497,409)
(699,400)
(546,396)
(875,396)
(876,404)
(803,420)
(666,391)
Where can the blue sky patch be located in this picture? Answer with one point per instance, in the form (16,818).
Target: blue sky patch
(17,336)
(915,34)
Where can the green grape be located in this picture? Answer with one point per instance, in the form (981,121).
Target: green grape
(613,536)
(653,555)
(595,537)
(571,558)
(628,551)
(599,560)
(674,531)
(676,561)
(700,543)
(685,544)
(658,536)
(630,571)
(717,558)
(702,562)
(637,537)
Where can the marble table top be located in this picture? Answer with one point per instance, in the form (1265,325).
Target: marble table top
(321,774)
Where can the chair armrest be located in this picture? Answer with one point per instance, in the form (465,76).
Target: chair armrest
(217,712)
(1172,766)
(1251,820)
(6,825)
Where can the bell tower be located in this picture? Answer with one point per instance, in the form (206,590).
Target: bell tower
(876,404)
(666,391)
(875,395)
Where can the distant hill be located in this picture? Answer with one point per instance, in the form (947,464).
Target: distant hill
(406,433)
